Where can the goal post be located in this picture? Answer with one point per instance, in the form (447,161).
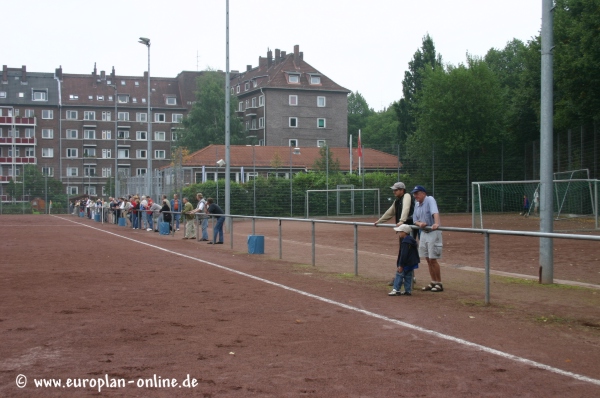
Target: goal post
(573,198)
(345,200)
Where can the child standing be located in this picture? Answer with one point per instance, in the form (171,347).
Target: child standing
(408,261)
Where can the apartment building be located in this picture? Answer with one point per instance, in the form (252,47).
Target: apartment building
(284,101)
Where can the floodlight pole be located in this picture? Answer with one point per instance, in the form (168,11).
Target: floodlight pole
(145,41)
(546,146)
(227,122)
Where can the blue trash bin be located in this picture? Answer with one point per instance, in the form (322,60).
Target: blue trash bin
(256,244)
(97,217)
(122,222)
(81,214)
(163,228)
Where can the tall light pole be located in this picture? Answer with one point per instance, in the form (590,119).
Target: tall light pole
(227,121)
(145,41)
(116,142)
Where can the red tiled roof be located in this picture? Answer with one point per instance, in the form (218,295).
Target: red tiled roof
(264,156)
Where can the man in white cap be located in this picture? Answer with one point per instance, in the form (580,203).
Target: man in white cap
(430,244)
(402,208)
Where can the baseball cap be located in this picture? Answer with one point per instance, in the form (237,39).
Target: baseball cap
(418,188)
(398,185)
(403,228)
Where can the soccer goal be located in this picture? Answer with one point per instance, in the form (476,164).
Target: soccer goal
(345,200)
(573,198)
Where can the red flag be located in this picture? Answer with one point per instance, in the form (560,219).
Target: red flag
(359,146)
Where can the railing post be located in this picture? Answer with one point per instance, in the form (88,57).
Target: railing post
(486,236)
(231,233)
(280,248)
(253,222)
(313,242)
(355,250)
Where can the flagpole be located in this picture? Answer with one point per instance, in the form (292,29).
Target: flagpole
(359,154)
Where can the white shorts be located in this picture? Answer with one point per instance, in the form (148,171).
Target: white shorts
(430,244)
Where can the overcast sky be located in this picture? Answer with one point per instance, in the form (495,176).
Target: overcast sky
(364,46)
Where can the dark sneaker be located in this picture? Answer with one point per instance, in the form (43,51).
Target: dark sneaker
(406,294)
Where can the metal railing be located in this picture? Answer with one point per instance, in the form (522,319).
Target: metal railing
(485,232)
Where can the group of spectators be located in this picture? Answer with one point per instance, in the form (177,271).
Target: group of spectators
(145,214)
(420,210)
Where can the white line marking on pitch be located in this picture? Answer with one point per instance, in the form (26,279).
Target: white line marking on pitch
(457,340)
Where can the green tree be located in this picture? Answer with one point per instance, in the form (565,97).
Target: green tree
(577,56)
(381,130)
(406,108)
(326,161)
(358,113)
(205,123)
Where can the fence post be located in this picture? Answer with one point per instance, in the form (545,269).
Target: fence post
(355,250)
(486,236)
(280,249)
(313,242)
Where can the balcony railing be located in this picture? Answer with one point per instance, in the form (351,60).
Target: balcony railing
(19,121)
(18,160)
(18,140)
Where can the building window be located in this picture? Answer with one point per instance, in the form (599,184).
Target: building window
(253,127)
(293,122)
(89,134)
(137,84)
(144,100)
(39,95)
(246,86)
(160,154)
(159,117)
(3,94)
(159,136)
(134,100)
(72,190)
(106,116)
(47,133)
(177,118)
(29,113)
(141,136)
(321,102)
(106,172)
(247,104)
(89,115)
(174,136)
(123,116)
(106,153)
(140,154)
(321,143)
(29,152)
(72,115)
(123,154)
(47,114)
(89,152)
(261,100)
(293,78)
(72,171)
(29,133)
(71,152)
(122,82)
(124,171)
(89,171)
(315,79)
(106,134)
(321,123)
(254,83)
(293,100)
(140,172)
(47,152)
(141,117)
(13,133)
(123,135)
(293,143)
(73,97)
(100,98)
(17,152)
(254,102)
(72,134)
(21,95)
(237,89)
(241,106)
(171,100)
(89,190)
(261,122)
(48,171)
(122,98)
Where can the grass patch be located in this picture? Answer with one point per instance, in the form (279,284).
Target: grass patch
(534,283)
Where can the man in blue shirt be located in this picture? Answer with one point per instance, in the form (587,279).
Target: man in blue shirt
(430,245)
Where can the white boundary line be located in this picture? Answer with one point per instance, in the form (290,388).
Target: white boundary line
(442,336)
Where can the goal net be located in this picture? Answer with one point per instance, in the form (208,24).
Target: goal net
(573,198)
(345,200)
